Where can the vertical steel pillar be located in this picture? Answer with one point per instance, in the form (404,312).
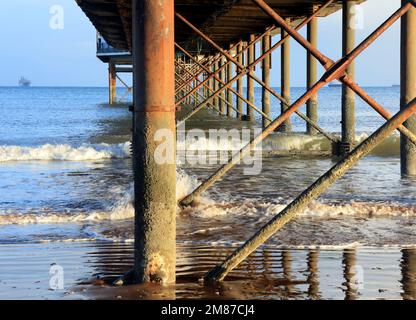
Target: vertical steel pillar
(285,79)
(312,77)
(250,81)
(408,87)
(222,94)
(112,83)
(229,93)
(216,86)
(265,46)
(348,96)
(154,162)
(240,59)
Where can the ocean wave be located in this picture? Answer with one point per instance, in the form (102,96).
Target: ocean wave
(93,152)
(64,152)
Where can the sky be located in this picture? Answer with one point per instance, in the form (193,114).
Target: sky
(66,56)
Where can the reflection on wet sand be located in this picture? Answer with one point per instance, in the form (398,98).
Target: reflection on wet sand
(349,262)
(267,274)
(313,278)
(408,267)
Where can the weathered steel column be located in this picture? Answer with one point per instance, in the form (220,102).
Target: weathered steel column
(285,80)
(112,83)
(154,134)
(229,93)
(408,87)
(222,94)
(265,46)
(216,86)
(250,81)
(312,77)
(240,59)
(348,96)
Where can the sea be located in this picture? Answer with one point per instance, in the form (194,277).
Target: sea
(66,199)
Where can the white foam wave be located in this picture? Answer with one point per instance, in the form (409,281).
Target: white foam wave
(121,210)
(64,152)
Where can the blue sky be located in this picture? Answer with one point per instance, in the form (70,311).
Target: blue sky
(66,57)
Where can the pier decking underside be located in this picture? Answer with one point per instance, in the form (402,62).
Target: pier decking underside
(224,21)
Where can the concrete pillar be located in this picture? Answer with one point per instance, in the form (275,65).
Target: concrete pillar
(240,59)
(154,136)
(408,87)
(348,96)
(312,77)
(229,93)
(265,46)
(250,82)
(112,83)
(285,80)
(223,92)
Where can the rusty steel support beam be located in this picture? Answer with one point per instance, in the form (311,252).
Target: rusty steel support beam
(210,62)
(348,95)
(316,189)
(208,99)
(408,88)
(246,70)
(251,55)
(228,85)
(112,83)
(265,74)
(154,114)
(220,91)
(328,64)
(312,76)
(216,86)
(227,63)
(285,80)
(227,55)
(335,71)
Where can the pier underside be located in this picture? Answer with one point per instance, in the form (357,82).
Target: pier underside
(224,21)
(191,55)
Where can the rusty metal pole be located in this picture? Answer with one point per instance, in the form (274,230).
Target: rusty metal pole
(251,52)
(312,77)
(223,93)
(317,188)
(229,93)
(154,162)
(216,86)
(408,87)
(265,46)
(348,95)
(240,53)
(112,83)
(285,79)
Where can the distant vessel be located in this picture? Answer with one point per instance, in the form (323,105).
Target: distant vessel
(23,82)
(335,85)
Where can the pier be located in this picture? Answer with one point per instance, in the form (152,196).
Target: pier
(191,55)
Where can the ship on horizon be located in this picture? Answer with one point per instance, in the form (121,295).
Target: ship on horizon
(23,82)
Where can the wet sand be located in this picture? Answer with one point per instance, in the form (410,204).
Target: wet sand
(89,268)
